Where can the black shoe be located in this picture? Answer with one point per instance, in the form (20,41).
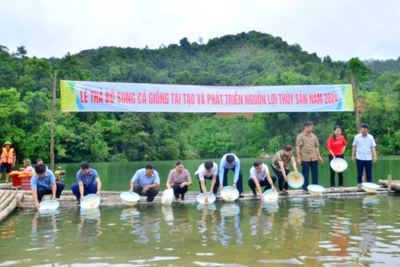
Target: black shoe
(241,196)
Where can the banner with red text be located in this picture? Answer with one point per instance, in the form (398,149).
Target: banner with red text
(137,97)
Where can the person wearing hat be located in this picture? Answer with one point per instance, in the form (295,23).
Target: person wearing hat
(7,159)
(28,167)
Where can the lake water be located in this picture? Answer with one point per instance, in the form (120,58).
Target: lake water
(296,232)
(116,176)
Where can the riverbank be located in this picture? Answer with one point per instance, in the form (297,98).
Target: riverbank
(111,198)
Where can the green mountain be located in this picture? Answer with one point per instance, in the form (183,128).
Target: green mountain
(251,58)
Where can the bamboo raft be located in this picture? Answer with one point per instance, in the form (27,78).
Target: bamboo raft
(10,199)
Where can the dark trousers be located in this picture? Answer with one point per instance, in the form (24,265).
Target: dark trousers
(340,174)
(41,191)
(178,190)
(215,189)
(265,183)
(91,189)
(239,183)
(305,169)
(361,164)
(151,193)
(281,180)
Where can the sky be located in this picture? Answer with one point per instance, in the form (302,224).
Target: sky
(341,29)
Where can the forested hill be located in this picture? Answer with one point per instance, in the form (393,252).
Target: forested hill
(381,66)
(243,59)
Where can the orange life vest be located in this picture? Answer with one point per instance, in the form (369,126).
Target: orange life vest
(7,156)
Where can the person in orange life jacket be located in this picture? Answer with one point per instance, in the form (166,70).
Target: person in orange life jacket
(7,159)
(43,182)
(336,146)
(87,182)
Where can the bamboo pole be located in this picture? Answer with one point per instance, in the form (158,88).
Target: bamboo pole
(19,200)
(53,104)
(393,185)
(5,195)
(13,204)
(355,100)
(8,200)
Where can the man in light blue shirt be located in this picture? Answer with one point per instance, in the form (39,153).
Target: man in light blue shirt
(43,182)
(365,153)
(87,182)
(146,182)
(231,162)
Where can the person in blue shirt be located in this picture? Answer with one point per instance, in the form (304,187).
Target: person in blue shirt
(231,162)
(43,182)
(87,182)
(146,182)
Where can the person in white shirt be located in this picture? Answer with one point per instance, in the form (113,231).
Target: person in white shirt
(259,176)
(208,171)
(364,153)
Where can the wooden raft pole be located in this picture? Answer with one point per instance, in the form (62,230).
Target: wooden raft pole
(393,184)
(7,201)
(389,183)
(5,196)
(13,204)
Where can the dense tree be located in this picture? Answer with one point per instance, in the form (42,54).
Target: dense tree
(251,58)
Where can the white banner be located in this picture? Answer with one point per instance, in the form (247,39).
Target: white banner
(136,97)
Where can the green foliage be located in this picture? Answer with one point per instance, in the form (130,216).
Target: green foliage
(251,58)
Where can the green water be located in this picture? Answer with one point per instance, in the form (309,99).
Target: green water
(307,232)
(116,176)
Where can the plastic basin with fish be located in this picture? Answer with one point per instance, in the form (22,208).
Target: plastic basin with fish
(201,199)
(129,198)
(91,201)
(315,190)
(370,187)
(229,193)
(270,195)
(167,197)
(338,165)
(295,179)
(49,205)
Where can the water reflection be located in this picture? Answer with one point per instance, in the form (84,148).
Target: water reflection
(371,200)
(207,224)
(146,227)
(261,223)
(168,214)
(296,217)
(8,231)
(316,202)
(88,227)
(271,206)
(229,228)
(334,232)
(44,231)
(182,224)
